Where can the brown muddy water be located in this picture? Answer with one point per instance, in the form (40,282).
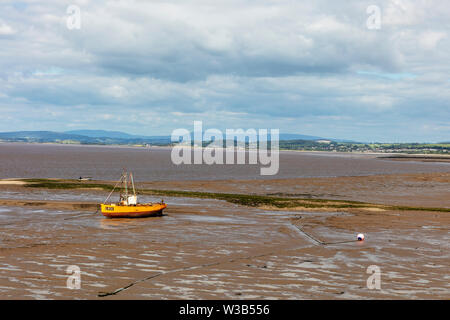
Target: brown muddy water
(107,163)
(210,249)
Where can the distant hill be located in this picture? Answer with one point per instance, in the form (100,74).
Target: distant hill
(294,136)
(38,136)
(288,141)
(74,138)
(113,137)
(102,134)
(123,135)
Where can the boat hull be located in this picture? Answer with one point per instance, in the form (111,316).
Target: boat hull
(132,211)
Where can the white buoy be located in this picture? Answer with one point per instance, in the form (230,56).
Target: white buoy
(360,237)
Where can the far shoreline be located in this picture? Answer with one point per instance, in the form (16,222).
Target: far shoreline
(384,155)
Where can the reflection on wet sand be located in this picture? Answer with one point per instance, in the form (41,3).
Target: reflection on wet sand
(107,223)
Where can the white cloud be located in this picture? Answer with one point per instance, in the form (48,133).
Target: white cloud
(228,63)
(6,29)
(430,39)
(115,91)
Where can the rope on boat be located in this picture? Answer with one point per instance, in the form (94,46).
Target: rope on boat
(113,189)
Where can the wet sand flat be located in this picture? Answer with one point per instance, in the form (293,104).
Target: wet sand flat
(211,249)
(418,189)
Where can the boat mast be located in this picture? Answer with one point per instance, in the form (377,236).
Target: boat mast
(126,185)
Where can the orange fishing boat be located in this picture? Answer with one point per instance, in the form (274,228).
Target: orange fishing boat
(128,206)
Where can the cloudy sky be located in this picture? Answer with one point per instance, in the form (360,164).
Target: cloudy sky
(148,67)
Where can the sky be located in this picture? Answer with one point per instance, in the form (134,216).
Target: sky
(324,68)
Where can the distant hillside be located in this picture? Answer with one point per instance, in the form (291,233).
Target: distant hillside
(118,137)
(123,135)
(336,146)
(38,136)
(74,138)
(102,134)
(110,137)
(287,141)
(113,135)
(294,136)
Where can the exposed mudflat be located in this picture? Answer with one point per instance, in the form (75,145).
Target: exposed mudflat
(210,249)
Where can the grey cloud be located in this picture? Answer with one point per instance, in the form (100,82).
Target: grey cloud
(230,62)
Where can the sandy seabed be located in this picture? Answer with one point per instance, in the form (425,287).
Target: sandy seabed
(211,249)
